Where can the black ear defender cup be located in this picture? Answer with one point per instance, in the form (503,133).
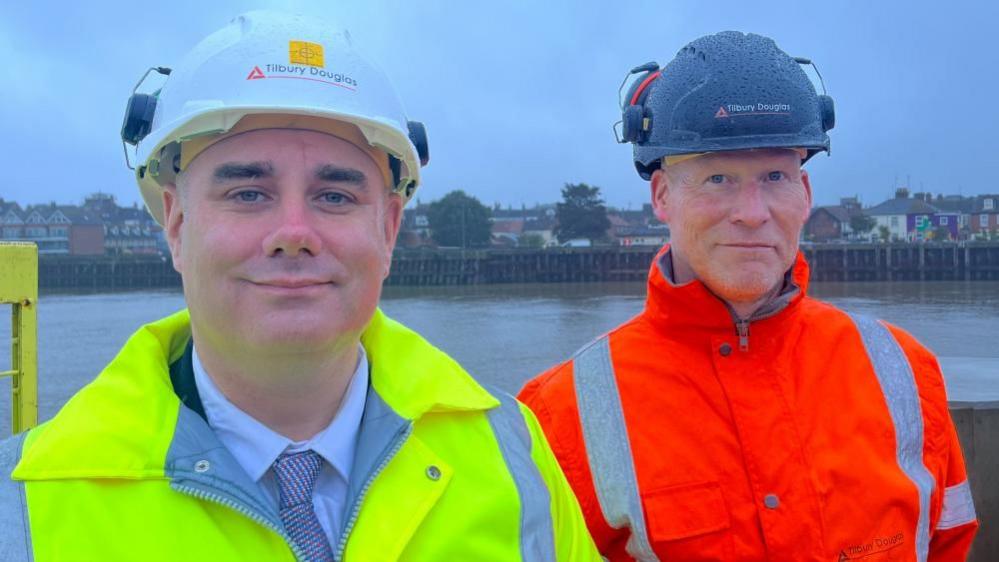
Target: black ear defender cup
(139,111)
(418,136)
(828,112)
(138,118)
(636,121)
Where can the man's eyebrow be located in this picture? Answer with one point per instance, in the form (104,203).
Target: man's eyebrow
(243,171)
(332,173)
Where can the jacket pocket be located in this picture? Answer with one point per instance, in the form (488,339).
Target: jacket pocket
(689,522)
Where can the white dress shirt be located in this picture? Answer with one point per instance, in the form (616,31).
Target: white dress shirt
(256,446)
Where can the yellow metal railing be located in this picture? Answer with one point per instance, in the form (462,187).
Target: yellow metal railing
(19,287)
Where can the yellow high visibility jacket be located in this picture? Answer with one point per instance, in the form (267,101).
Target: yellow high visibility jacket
(444,470)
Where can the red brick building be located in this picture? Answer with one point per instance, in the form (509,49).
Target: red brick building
(984,221)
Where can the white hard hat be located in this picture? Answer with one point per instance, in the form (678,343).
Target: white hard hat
(269,63)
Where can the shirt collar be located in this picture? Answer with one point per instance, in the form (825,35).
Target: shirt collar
(256,446)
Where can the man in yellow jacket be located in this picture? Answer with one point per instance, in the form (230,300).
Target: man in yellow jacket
(282,417)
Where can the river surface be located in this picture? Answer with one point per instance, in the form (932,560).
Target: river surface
(505,334)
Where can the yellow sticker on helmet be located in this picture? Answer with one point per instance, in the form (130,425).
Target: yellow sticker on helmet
(303,52)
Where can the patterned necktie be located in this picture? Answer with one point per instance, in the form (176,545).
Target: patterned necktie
(296,474)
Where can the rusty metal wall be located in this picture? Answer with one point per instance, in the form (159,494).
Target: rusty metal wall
(977,426)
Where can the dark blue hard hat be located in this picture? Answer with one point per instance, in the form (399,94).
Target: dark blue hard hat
(728,91)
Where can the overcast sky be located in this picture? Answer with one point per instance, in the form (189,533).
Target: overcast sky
(519,97)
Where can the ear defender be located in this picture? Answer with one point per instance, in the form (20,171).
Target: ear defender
(636,119)
(138,118)
(828,111)
(418,136)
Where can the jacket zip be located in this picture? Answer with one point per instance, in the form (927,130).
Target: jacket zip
(742,329)
(356,507)
(742,324)
(240,508)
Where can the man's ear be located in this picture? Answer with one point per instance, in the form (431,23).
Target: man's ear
(392,220)
(808,192)
(173,218)
(659,188)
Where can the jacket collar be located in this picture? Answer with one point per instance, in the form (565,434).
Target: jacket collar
(122,424)
(414,377)
(693,305)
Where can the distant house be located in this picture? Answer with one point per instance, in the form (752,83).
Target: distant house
(55,229)
(97,227)
(11,220)
(832,222)
(643,236)
(506,232)
(83,231)
(911,219)
(637,228)
(415,229)
(958,207)
(122,238)
(127,230)
(543,228)
(985,216)
(524,226)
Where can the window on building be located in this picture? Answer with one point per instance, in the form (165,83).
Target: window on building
(894,222)
(983,221)
(943,221)
(35,231)
(990,204)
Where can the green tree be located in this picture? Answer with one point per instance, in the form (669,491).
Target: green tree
(884,233)
(581,214)
(458,219)
(862,224)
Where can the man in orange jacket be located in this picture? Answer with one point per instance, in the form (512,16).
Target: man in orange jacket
(736,418)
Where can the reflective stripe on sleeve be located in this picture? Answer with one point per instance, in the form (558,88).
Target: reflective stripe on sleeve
(537,534)
(898,384)
(608,449)
(958,507)
(15,527)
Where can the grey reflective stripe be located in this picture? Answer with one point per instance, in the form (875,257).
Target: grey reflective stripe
(607,446)
(15,530)
(537,534)
(898,385)
(958,507)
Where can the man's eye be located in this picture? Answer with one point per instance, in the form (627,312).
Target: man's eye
(717,178)
(775,176)
(334,197)
(249,196)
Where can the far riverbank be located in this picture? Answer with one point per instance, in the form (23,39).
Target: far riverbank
(950,261)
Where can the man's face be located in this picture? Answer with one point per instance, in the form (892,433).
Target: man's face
(734,218)
(283,238)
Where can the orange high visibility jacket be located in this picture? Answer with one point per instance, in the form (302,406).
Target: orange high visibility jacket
(803,434)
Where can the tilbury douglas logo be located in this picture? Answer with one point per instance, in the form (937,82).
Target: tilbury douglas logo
(306,61)
(759,108)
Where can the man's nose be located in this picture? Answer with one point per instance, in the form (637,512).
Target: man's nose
(294,232)
(750,207)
